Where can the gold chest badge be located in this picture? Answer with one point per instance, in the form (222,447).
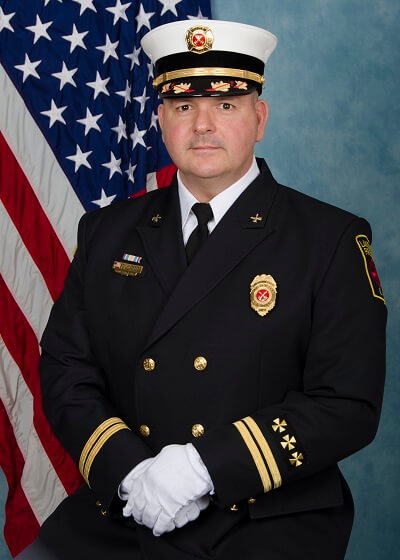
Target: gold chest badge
(199,39)
(263,292)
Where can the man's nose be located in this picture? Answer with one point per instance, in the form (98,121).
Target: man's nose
(204,121)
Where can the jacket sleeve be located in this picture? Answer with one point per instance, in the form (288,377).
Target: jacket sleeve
(336,410)
(74,391)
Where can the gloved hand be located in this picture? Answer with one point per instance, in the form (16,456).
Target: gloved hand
(168,490)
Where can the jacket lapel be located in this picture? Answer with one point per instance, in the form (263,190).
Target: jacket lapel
(242,228)
(161,234)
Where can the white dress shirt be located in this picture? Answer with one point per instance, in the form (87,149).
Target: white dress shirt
(220,204)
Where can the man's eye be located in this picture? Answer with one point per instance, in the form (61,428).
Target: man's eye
(183,107)
(226,106)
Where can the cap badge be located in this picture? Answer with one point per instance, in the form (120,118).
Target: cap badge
(199,39)
(263,291)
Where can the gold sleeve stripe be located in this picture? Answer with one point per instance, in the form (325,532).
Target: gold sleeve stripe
(256,455)
(99,444)
(96,434)
(266,450)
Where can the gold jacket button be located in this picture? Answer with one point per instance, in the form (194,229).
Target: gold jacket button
(234,508)
(251,501)
(98,503)
(144,430)
(103,512)
(200,363)
(149,364)
(197,430)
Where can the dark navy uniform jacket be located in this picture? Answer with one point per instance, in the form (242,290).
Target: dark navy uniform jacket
(284,395)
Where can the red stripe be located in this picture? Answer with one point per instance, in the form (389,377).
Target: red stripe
(31,222)
(165,175)
(24,349)
(21,526)
(137,194)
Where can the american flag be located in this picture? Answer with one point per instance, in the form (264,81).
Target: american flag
(78,131)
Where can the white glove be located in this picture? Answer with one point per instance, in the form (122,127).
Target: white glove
(168,490)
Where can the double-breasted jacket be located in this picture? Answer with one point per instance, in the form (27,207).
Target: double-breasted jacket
(266,352)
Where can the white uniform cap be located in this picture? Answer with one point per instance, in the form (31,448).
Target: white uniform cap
(212,57)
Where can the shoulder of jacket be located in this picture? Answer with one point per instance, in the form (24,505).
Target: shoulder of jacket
(316,213)
(130,209)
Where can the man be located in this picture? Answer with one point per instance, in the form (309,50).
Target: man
(219,345)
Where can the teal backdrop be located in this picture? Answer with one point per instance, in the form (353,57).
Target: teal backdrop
(334,132)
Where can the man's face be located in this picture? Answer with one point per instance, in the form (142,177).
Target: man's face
(211,139)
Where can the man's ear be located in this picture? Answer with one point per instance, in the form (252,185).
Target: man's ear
(262,117)
(161,115)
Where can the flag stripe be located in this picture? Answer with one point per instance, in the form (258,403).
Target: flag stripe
(24,349)
(22,276)
(21,524)
(39,481)
(165,175)
(34,227)
(47,179)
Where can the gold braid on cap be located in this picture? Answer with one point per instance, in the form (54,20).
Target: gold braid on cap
(204,71)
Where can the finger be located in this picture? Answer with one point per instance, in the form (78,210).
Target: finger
(136,503)
(137,496)
(192,511)
(181,518)
(164,524)
(150,514)
(203,502)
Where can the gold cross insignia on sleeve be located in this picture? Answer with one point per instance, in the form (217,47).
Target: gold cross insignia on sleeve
(256,218)
(297,459)
(279,424)
(288,442)
(156,218)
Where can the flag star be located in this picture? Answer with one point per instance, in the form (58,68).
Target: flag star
(108,48)
(137,136)
(150,69)
(125,93)
(134,57)
(99,85)
(104,200)
(86,5)
(90,121)
(169,5)
(5,20)
(47,1)
(154,119)
(130,172)
(65,76)
(143,19)
(76,38)
(28,68)
(114,165)
(54,113)
(142,100)
(120,129)
(80,158)
(199,16)
(119,11)
(40,29)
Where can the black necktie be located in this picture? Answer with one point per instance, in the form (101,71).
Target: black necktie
(198,236)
